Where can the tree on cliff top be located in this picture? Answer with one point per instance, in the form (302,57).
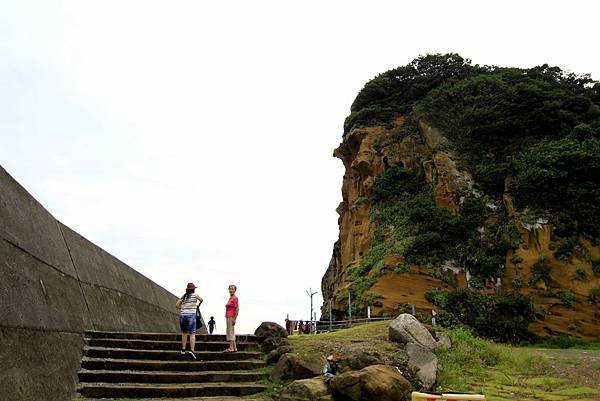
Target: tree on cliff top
(395,91)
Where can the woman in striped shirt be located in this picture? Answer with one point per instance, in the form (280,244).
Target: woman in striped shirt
(187,318)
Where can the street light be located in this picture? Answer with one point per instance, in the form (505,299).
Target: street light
(349,302)
(311,294)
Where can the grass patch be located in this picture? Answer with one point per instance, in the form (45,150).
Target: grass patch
(502,372)
(371,336)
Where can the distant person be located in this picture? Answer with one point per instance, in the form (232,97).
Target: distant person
(211,325)
(187,305)
(300,326)
(231,313)
(288,326)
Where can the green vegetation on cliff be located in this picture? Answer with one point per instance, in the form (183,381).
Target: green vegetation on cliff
(531,136)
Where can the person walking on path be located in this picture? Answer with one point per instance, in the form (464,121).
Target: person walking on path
(187,305)
(231,312)
(211,325)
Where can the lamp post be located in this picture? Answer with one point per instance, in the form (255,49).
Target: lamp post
(330,318)
(349,303)
(311,294)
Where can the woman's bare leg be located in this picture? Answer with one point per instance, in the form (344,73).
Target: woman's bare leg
(193,342)
(183,340)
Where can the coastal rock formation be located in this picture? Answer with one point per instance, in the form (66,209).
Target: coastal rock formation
(494,227)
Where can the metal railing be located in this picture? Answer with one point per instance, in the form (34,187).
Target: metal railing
(324,326)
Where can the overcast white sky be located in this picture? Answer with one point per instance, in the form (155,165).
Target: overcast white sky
(193,140)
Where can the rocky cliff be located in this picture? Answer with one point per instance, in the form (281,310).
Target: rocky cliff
(472,186)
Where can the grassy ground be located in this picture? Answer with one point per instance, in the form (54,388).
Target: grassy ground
(501,372)
(371,337)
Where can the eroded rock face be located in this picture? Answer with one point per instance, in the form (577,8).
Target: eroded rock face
(363,163)
(373,383)
(307,390)
(407,329)
(294,367)
(426,363)
(367,152)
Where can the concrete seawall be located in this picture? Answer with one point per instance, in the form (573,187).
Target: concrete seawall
(54,284)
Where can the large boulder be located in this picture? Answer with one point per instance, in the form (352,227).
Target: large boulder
(270,336)
(307,390)
(294,367)
(426,363)
(270,329)
(274,355)
(357,360)
(407,329)
(373,383)
(271,343)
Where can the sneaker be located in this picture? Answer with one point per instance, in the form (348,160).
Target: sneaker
(182,352)
(190,353)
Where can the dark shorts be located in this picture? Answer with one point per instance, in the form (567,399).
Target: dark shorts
(187,323)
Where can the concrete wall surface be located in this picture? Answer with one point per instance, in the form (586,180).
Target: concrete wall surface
(54,284)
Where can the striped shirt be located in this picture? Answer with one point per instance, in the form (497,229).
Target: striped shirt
(188,307)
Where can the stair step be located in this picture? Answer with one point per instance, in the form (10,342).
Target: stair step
(128,376)
(168,390)
(164,345)
(167,355)
(164,336)
(179,366)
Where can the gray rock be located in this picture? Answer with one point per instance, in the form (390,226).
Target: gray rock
(271,336)
(274,355)
(294,367)
(426,363)
(373,383)
(271,343)
(357,360)
(307,390)
(443,340)
(270,329)
(407,329)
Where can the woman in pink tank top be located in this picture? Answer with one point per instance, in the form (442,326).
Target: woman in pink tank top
(231,312)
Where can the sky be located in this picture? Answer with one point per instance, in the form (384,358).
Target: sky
(193,140)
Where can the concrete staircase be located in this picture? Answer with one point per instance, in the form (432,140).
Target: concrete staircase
(149,365)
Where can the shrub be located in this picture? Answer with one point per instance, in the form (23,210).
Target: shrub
(579,275)
(540,271)
(594,295)
(596,266)
(567,297)
(516,259)
(503,317)
(561,341)
(518,281)
(560,176)
(395,91)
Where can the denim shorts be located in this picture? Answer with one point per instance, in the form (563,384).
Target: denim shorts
(187,323)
